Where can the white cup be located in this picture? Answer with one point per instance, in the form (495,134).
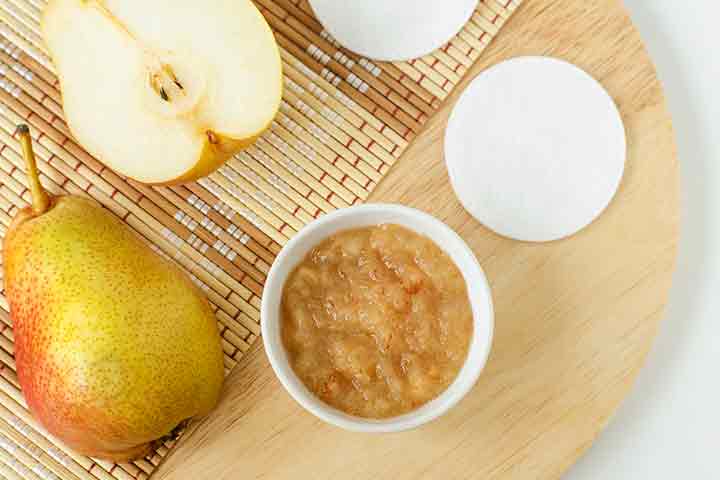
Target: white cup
(363,216)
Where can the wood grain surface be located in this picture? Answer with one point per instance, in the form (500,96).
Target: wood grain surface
(575,318)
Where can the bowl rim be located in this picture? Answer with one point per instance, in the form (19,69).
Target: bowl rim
(483,318)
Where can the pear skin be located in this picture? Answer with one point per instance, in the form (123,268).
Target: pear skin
(114,345)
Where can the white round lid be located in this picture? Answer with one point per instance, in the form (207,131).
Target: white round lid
(535,149)
(393,30)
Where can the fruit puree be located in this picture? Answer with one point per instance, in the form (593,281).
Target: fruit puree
(376,321)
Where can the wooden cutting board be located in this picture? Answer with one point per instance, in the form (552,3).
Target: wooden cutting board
(575,318)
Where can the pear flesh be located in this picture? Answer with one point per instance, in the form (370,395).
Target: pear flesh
(114,345)
(164,91)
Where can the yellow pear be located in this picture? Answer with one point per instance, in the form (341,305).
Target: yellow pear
(164,91)
(114,345)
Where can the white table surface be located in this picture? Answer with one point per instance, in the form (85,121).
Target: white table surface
(669,427)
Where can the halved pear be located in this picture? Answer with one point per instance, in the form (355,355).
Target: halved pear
(164,91)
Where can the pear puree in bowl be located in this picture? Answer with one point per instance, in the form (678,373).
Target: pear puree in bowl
(376,321)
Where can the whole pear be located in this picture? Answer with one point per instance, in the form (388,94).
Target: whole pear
(114,345)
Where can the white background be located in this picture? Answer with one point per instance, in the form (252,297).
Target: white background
(669,427)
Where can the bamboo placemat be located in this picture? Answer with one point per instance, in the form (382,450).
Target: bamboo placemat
(343,122)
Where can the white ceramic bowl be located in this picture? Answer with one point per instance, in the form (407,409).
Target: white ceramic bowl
(362,216)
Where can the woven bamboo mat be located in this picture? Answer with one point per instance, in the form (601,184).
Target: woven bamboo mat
(343,123)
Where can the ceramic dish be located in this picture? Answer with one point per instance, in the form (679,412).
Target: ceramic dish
(363,216)
(393,30)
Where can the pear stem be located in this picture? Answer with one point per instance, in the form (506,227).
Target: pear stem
(40,198)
